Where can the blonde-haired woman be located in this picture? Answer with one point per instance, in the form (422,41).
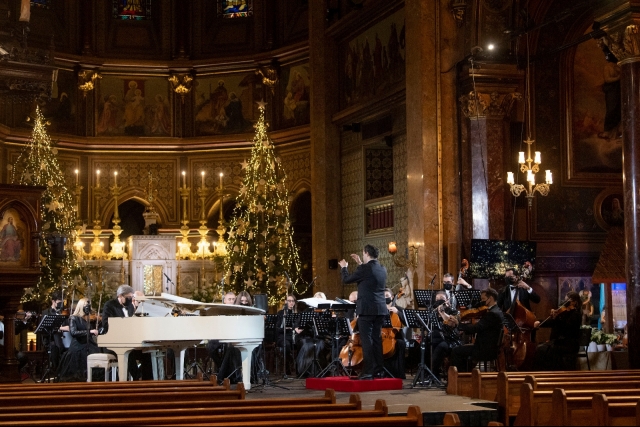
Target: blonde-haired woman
(73,366)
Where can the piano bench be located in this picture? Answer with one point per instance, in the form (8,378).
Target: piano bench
(105,361)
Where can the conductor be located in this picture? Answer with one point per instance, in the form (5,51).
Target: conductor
(371,308)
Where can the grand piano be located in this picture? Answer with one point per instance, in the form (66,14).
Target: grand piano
(156,328)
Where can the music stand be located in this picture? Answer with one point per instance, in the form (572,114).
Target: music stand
(314,321)
(49,324)
(421,319)
(288,321)
(341,329)
(425,297)
(468,297)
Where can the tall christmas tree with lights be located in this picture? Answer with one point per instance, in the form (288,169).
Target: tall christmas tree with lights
(262,258)
(37,165)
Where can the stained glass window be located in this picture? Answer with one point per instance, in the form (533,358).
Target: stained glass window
(45,4)
(235,8)
(137,10)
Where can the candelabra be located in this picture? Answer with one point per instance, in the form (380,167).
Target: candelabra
(78,244)
(117,246)
(97,246)
(184,247)
(411,260)
(530,167)
(203,230)
(220,247)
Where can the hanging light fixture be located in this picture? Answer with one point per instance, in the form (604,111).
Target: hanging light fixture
(529,166)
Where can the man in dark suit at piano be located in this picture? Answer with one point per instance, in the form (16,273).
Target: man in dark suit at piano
(122,306)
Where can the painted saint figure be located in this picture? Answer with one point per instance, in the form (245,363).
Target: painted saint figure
(10,242)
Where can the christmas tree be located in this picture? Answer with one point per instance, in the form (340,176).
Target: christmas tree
(37,165)
(262,258)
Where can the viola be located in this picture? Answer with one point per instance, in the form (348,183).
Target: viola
(473,313)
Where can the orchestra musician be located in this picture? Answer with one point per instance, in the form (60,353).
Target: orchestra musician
(444,334)
(351,313)
(371,309)
(565,325)
(395,363)
(244,298)
(55,346)
(447,285)
(285,337)
(462,285)
(516,287)
(226,357)
(487,331)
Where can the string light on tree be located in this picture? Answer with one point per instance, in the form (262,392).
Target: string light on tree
(260,243)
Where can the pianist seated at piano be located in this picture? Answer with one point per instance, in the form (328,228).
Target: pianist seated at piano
(122,306)
(73,365)
(244,298)
(225,356)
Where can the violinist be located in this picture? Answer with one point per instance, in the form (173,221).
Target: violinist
(444,334)
(565,332)
(447,285)
(394,364)
(487,331)
(308,343)
(285,338)
(55,346)
(371,309)
(516,288)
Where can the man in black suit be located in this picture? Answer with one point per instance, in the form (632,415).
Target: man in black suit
(487,331)
(371,308)
(514,287)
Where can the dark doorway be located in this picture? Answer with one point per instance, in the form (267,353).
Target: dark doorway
(131,219)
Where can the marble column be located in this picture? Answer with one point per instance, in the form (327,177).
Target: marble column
(622,40)
(325,153)
(488,142)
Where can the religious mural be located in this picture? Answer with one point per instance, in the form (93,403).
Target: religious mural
(61,108)
(133,107)
(132,9)
(235,8)
(374,60)
(12,236)
(227,104)
(596,132)
(295,83)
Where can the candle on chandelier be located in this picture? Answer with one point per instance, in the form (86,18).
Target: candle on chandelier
(115,178)
(392,248)
(221,179)
(98,178)
(76,176)
(184,179)
(521,157)
(531,177)
(202,173)
(548,177)
(538,158)
(510,179)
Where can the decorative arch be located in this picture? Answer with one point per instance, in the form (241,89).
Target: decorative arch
(109,208)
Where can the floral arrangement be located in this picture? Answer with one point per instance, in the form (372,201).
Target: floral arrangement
(599,337)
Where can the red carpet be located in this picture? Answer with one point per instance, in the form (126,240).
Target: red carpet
(347,384)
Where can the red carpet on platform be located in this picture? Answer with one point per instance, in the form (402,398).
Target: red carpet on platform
(347,384)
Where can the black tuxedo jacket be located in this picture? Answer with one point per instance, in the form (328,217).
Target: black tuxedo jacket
(371,279)
(113,308)
(487,331)
(526,298)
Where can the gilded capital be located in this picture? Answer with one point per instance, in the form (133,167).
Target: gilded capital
(623,44)
(493,105)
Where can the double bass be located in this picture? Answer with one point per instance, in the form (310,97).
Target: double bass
(522,346)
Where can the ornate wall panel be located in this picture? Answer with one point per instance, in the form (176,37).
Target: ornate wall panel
(352,200)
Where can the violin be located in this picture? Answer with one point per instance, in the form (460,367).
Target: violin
(566,306)
(25,315)
(473,313)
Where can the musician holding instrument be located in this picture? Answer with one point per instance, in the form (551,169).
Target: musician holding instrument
(55,346)
(444,334)
(285,338)
(565,325)
(516,288)
(371,309)
(487,331)
(395,352)
(447,285)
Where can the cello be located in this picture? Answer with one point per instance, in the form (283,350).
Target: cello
(389,334)
(351,354)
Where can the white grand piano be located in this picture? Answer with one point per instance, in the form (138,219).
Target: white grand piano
(156,328)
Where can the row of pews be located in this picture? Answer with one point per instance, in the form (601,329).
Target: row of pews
(567,398)
(187,402)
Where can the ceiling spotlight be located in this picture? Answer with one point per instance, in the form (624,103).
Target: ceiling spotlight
(490,46)
(3,52)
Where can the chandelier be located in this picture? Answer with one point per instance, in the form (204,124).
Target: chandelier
(529,166)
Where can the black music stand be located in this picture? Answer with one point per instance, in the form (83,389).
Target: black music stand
(422,319)
(288,321)
(316,322)
(263,373)
(425,297)
(468,297)
(341,329)
(49,325)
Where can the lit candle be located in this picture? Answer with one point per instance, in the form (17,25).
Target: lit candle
(521,157)
(184,179)
(115,178)
(538,158)
(221,179)
(510,179)
(98,178)
(202,173)
(76,176)
(548,179)
(531,177)
(392,248)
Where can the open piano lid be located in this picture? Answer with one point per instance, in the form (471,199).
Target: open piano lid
(168,301)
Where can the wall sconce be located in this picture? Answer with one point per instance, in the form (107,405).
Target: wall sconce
(86,81)
(410,261)
(181,85)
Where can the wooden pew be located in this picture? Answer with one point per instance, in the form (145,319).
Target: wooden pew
(267,407)
(458,383)
(114,385)
(610,412)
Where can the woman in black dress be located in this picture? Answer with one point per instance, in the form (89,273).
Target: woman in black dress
(73,365)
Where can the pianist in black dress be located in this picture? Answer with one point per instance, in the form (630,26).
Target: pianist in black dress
(73,365)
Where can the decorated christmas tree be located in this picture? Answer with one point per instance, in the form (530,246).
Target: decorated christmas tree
(37,165)
(262,257)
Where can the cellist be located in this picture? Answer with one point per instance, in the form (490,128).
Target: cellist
(394,363)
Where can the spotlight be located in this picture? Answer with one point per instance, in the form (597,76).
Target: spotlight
(490,46)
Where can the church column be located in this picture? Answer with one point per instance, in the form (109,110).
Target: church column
(325,153)
(487,198)
(622,39)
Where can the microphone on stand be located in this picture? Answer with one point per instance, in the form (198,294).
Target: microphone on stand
(168,281)
(313,281)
